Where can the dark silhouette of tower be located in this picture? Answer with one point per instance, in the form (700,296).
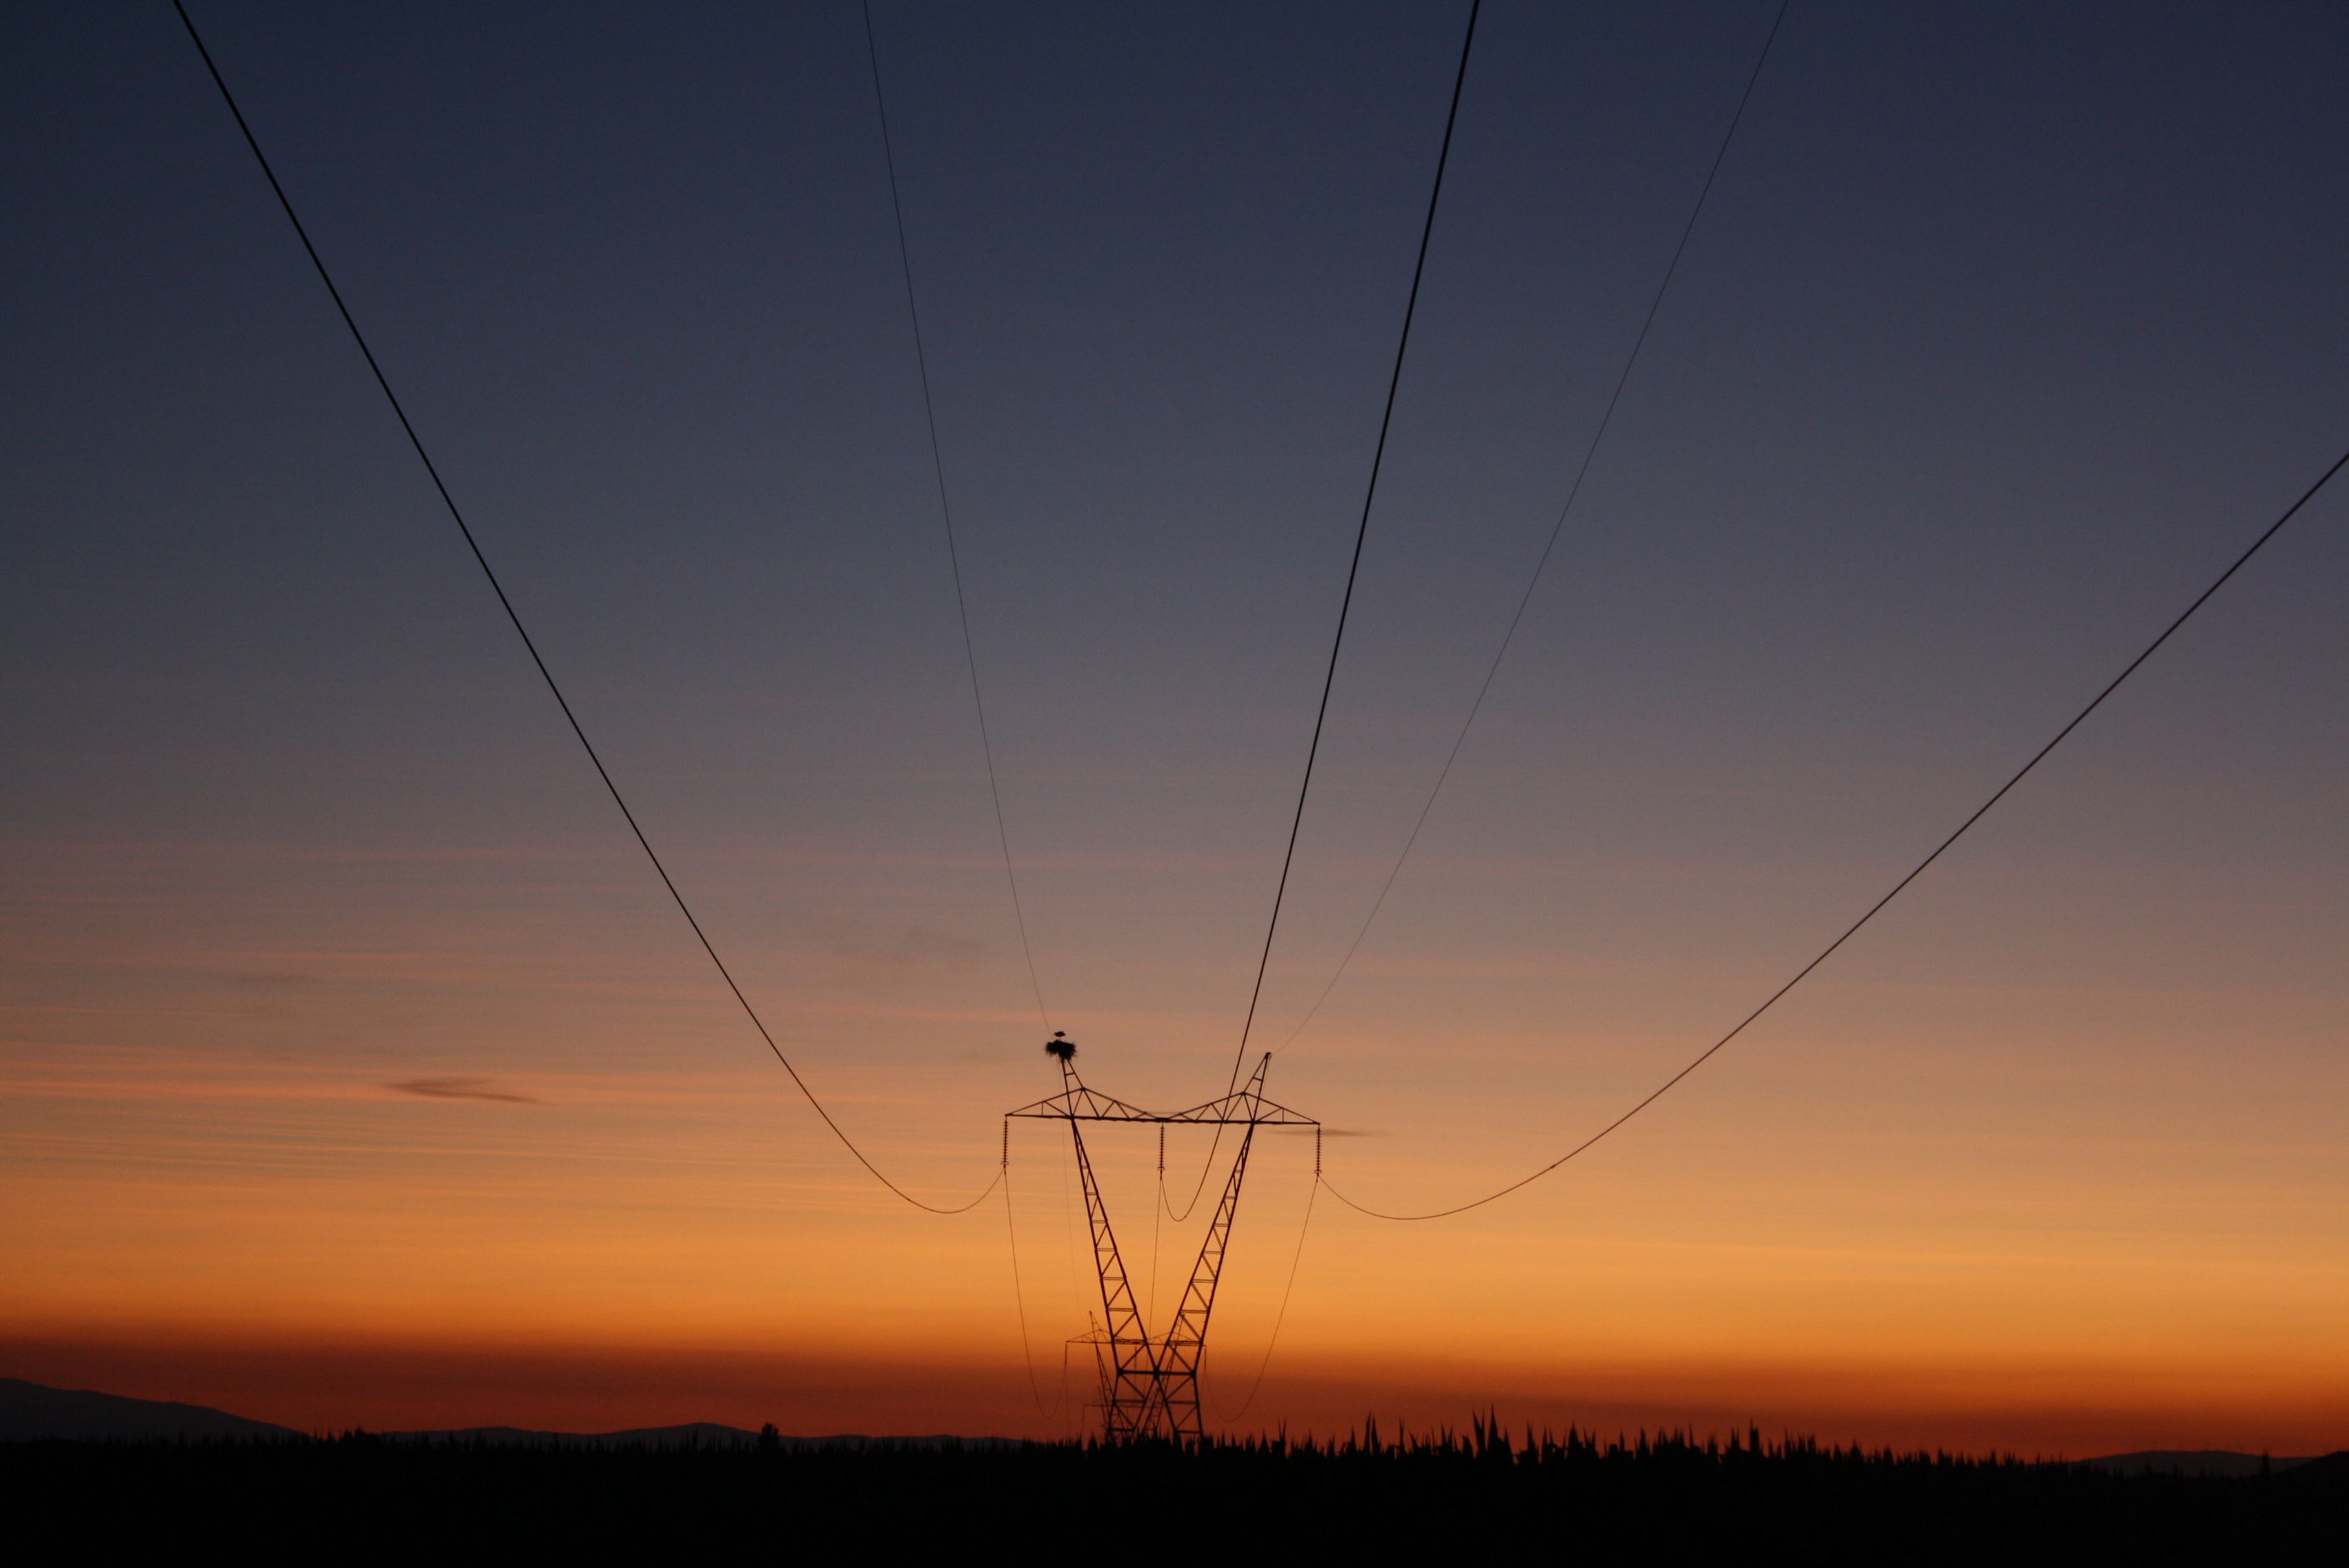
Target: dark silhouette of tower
(1150,1382)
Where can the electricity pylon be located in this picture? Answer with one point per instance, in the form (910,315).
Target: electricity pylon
(1150,1383)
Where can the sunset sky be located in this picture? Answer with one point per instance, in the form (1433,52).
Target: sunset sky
(358,1070)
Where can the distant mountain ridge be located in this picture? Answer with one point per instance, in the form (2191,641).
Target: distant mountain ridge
(32,1411)
(702,1434)
(2194,1462)
(29,1410)
(705,1434)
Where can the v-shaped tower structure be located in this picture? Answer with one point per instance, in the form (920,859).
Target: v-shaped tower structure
(1150,1382)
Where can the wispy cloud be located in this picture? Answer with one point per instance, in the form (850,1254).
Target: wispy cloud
(461,1089)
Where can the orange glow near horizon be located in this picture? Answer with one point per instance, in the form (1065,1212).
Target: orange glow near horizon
(356,1069)
(579,1250)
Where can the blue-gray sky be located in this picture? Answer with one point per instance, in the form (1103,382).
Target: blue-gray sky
(2006,327)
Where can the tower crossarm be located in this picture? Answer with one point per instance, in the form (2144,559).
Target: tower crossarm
(1082,1104)
(1243,1110)
(1246,1107)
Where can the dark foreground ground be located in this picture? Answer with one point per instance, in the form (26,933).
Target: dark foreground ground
(367,1497)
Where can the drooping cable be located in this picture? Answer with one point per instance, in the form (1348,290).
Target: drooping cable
(1272,1341)
(1549,546)
(1155,1215)
(1207,1168)
(1873,910)
(514,616)
(1362,532)
(1019,1293)
(945,516)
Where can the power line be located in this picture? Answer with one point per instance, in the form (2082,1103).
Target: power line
(1207,1168)
(1573,490)
(946,515)
(514,617)
(1018,1292)
(1873,910)
(1272,1340)
(1362,532)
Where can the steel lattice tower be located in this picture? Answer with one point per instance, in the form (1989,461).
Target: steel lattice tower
(1150,1383)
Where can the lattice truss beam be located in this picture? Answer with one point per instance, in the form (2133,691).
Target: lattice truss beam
(1150,1382)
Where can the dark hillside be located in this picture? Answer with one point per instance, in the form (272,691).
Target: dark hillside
(33,1410)
(2192,1462)
(693,1434)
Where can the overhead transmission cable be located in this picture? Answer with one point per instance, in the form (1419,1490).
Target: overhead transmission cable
(1353,570)
(1898,888)
(1019,1291)
(1362,532)
(1557,528)
(1207,1168)
(514,616)
(945,516)
(1296,1259)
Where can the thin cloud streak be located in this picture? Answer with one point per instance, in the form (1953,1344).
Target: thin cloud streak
(461,1089)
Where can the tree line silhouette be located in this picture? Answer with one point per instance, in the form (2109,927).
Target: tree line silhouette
(1480,1488)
